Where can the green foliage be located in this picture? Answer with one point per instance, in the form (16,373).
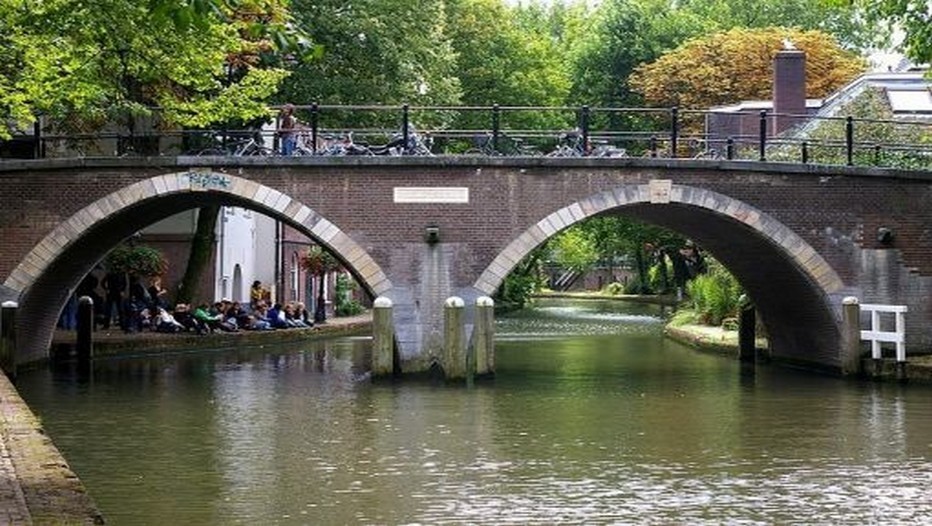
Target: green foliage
(345,305)
(573,249)
(715,295)
(614,289)
(138,260)
(374,51)
(912,17)
(89,64)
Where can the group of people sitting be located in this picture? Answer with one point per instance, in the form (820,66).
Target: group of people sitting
(139,308)
(225,316)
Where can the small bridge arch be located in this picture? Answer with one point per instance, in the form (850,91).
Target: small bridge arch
(797,297)
(52,269)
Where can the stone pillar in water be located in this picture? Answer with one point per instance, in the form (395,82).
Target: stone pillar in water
(8,337)
(85,341)
(454,341)
(746,343)
(383,338)
(484,337)
(850,336)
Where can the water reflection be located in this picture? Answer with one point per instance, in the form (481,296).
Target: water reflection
(593,418)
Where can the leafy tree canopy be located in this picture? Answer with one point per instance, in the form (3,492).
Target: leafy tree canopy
(738,65)
(86,64)
(912,17)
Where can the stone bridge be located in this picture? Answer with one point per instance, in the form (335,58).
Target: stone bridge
(799,238)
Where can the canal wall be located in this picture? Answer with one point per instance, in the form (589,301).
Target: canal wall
(36,484)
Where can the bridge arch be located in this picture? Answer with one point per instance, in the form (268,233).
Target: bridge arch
(52,269)
(794,289)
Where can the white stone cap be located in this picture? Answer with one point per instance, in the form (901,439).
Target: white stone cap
(382,303)
(454,301)
(850,300)
(485,301)
(10,305)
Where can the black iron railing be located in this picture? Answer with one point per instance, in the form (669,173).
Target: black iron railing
(526,131)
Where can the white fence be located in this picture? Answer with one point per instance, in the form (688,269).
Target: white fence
(877,336)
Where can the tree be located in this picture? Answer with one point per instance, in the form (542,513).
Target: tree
(738,65)
(374,51)
(912,17)
(507,56)
(318,262)
(88,64)
(137,260)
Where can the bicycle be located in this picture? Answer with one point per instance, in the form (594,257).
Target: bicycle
(506,146)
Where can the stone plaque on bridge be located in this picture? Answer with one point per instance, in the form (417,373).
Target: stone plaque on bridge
(660,190)
(431,194)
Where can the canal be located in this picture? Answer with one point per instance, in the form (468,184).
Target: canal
(593,418)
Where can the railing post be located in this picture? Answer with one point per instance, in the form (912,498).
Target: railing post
(805,151)
(674,130)
(584,126)
(652,145)
(383,338)
(37,137)
(315,115)
(8,337)
(762,139)
(405,122)
(878,150)
(849,139)
(454,348)
(850,336)
(730,148)
(496,124)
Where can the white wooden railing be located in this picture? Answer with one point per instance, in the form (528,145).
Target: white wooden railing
(877,336)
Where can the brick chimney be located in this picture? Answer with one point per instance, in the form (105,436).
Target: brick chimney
(789,87)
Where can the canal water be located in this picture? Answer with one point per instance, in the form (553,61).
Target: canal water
(593,418)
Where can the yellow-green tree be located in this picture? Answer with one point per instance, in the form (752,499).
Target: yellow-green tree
(737,65)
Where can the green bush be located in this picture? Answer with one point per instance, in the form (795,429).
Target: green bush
(715,295)
(614,289)
(138,260)
(345,305)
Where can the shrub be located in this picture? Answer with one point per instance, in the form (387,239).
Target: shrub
(345,305)
(614,289)
(715,295)
(139,260)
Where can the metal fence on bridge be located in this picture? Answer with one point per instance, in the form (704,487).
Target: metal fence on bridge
(516,131)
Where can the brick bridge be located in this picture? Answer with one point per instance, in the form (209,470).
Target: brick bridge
(798,237)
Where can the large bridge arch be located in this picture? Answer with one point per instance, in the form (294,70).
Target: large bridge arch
(797,295)
(52,269)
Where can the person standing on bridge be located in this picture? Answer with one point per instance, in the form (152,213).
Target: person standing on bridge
(287,124)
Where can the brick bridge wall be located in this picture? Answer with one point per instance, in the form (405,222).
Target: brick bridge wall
(799,238)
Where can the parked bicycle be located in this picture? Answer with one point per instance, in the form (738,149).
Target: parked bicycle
(505,145)
(248,146)
(572,144)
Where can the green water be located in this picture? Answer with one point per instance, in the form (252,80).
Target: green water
(593,418)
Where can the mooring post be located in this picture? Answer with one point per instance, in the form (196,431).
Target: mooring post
(454,352)
(383,338)
(484,340)
(8,337)
(746,344)
(850,336)
(84,345)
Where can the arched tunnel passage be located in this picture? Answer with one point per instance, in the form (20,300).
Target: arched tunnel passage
(43,298)
(792,287)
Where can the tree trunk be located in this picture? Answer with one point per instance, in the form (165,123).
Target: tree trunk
(202,248)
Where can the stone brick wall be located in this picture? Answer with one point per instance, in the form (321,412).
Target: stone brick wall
(796,236)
